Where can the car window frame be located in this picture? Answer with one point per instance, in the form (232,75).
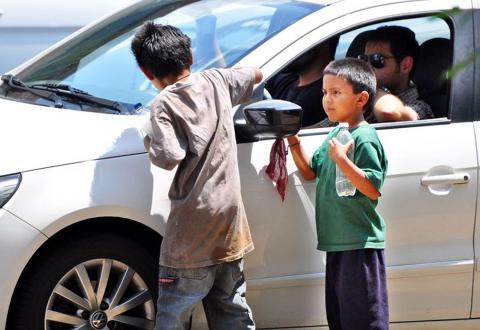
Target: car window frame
(461,35)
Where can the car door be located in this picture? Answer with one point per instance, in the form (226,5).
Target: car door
(429,225)
(476,107)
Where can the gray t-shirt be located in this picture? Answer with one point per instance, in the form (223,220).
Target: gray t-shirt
(193,128)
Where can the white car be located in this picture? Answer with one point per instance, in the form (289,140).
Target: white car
(82,210)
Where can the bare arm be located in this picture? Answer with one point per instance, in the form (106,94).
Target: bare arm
(258,75)
(300,158)
(338,153)
(388,107)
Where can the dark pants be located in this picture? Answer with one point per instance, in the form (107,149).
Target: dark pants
(356,290)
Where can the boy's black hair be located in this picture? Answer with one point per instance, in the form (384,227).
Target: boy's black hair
(358,73)
(401,39)
(161,49)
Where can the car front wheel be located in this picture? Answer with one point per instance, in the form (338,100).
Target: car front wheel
(102,282)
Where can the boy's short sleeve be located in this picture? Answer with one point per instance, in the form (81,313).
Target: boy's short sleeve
(240,84)
(167,146)
(317,158)
(369,157)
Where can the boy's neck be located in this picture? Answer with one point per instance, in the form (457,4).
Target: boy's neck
(172,79)
(356,121)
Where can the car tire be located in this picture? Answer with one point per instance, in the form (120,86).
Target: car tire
(119,269)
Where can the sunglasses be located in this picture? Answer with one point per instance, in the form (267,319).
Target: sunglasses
(377,60)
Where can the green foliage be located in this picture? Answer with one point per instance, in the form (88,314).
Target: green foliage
(463,17)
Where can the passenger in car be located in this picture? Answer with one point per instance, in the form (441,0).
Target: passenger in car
(301,83)
(207,234)
(392,52)
(349,228)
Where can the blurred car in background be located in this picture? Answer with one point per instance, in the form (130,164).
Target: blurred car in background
(28,27)
(82,210)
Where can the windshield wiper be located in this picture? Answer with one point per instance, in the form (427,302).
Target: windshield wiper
(16,83)
(78,94)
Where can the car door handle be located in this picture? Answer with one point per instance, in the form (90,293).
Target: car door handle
(456,178)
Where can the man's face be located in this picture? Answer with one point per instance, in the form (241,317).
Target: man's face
(389,75)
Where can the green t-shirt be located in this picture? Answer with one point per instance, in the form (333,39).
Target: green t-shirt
(349,223)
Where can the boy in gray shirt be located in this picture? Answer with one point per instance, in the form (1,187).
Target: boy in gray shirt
(207,232)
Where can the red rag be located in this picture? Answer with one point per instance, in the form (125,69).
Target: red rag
(277,168)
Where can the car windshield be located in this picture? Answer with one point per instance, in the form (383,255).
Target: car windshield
(99,60)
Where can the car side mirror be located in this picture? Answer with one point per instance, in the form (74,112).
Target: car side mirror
(272,119)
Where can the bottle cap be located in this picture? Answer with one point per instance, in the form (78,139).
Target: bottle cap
(343,125)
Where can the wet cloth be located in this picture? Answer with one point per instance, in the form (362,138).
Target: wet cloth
(277,168)
(193,129)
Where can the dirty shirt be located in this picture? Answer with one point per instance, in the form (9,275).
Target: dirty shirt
(193,129)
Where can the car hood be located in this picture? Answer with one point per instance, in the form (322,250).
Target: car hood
(34,137)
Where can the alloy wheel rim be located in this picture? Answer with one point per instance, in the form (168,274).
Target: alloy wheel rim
(100,294)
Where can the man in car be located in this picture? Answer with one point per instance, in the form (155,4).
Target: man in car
(207,233)
(392,52)
(302,83)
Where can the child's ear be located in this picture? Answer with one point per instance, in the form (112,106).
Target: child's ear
(362,100)
(147,73)
(190,59)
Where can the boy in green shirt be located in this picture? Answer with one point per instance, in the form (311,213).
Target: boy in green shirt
(349,228)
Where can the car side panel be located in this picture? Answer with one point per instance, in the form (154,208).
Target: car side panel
(476,281)
(429,231)
(18,242)
(113,187)
(429,236)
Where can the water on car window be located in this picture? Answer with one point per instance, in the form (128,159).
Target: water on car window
(99,61)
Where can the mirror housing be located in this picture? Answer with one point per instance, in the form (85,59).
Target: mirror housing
(272,119)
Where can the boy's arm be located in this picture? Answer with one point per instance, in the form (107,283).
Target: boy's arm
(338,153)
(240,83)
(258,75)
(300,158)
(166,147)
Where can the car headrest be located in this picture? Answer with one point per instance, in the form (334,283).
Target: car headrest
(357,46)
(432,65)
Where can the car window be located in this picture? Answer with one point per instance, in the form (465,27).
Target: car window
(433,35)
(425,28)
(100,62)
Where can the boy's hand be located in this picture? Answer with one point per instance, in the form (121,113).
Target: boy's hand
(337,150)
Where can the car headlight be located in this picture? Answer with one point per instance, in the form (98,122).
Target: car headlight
(8,186)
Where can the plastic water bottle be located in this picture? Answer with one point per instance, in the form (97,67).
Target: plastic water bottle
(343,185)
